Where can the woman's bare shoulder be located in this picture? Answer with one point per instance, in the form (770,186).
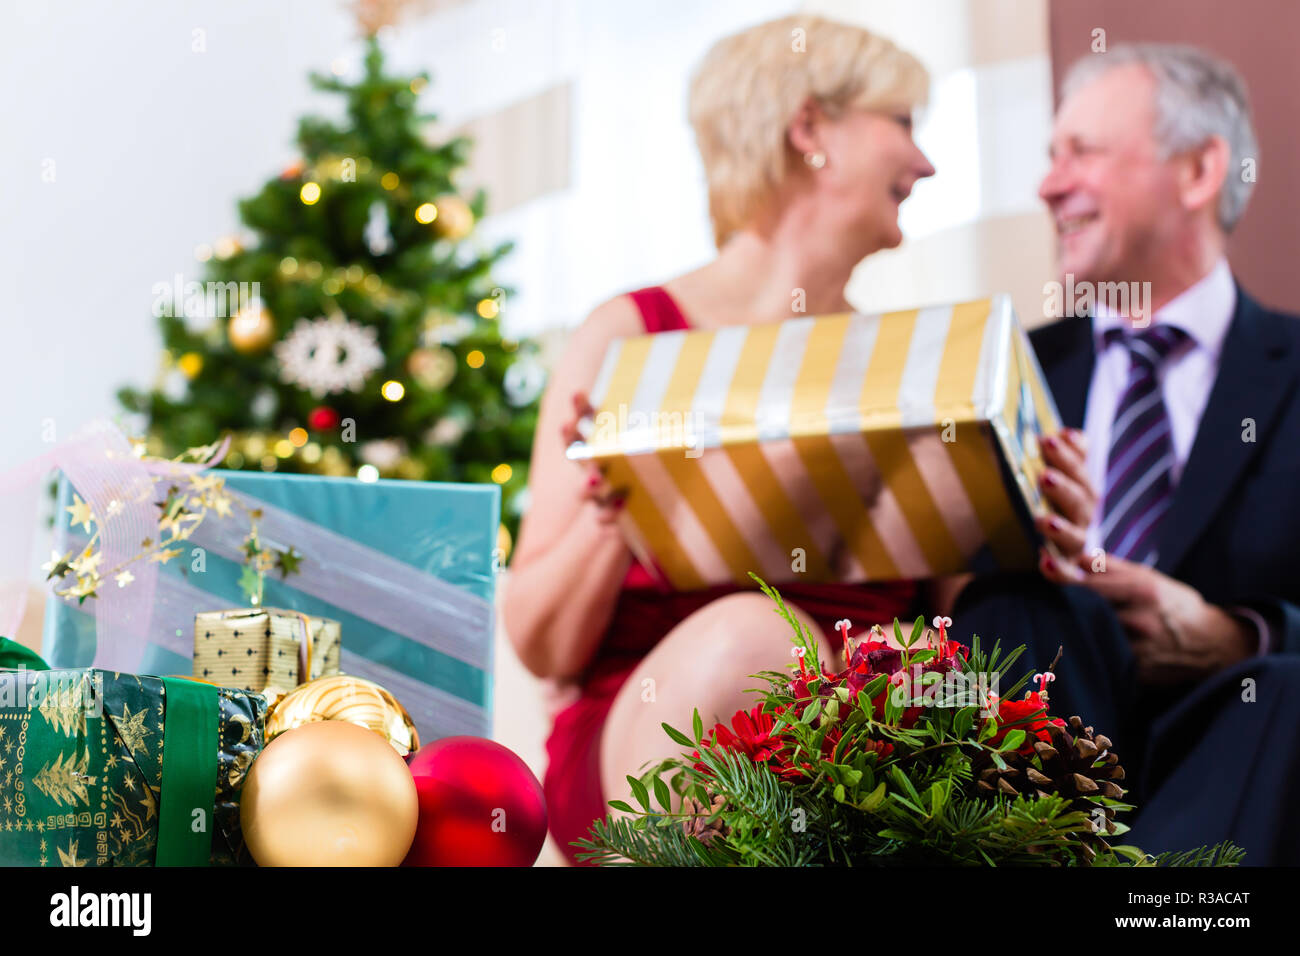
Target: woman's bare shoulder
(617,317)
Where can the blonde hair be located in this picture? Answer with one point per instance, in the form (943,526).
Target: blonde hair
(751,85)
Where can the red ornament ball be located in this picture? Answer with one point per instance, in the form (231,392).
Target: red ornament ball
(322,418)
(480,805)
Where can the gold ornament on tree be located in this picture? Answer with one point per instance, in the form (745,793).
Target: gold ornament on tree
(432,368)
(328,794)
(251,329)
(454,219)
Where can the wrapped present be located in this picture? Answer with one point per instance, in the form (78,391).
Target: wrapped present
(406,568)
(256,648)
(111,769)
(844,448)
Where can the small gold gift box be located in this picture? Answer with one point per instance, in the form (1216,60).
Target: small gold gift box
(256,648)
(844,448)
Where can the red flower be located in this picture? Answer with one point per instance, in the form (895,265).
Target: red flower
(1029,715)
(882,748)
(752,735)
(749,734)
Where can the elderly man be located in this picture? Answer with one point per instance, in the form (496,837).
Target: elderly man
(1178,534)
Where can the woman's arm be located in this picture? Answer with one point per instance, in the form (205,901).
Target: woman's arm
(569,563)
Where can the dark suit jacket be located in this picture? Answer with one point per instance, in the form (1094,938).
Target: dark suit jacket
(1233,529)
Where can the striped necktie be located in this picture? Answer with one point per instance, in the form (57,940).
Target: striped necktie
(1139,471)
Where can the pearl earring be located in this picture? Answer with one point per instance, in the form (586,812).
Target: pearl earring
(815,160)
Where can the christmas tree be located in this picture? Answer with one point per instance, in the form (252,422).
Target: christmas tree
(357,333)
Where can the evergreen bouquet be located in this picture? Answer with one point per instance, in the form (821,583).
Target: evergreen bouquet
(910,755)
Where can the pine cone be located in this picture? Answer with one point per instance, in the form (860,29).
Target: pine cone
(1076,764)
(696,823)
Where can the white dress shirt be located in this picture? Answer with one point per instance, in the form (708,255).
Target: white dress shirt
(1204,312)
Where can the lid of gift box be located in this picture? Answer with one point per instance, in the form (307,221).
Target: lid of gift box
(698,389)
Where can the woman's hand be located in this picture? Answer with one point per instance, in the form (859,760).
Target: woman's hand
(607,499)
(1066,487)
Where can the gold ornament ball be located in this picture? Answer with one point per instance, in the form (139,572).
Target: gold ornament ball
(433,368)
(344,697)
(329,794)
(251,329)
(455,219)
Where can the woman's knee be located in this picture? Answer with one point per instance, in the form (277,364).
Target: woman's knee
(748,626)
(704,663)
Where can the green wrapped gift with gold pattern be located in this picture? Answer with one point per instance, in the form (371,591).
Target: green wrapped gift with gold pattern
(107,769)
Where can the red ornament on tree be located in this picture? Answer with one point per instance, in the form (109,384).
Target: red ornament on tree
(322,418)
(480,805)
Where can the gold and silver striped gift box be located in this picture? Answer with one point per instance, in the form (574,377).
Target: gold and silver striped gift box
(843,448)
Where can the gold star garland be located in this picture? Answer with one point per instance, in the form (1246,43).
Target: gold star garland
(189,499)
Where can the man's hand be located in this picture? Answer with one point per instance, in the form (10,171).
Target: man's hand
(1174,632)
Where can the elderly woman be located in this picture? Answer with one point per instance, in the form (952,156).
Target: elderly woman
(805,130)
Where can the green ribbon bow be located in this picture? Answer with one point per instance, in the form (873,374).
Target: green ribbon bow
(13,656)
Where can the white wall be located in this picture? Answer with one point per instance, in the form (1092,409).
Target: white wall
(153,142)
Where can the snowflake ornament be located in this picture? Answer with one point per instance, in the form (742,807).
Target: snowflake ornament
(330,355)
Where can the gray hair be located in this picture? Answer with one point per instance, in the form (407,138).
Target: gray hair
(1197,96)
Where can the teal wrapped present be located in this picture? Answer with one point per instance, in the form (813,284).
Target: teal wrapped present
(407,568)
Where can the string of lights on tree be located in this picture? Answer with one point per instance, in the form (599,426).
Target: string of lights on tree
(372,345)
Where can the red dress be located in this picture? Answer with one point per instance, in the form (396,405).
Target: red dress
(646,611)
